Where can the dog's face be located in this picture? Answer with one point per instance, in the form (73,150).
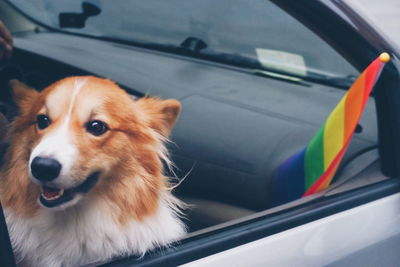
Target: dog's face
(83,134)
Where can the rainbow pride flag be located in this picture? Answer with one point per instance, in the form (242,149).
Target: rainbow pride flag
(312,169)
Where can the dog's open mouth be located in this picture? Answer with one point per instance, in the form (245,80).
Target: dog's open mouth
(49,193)
(52,197)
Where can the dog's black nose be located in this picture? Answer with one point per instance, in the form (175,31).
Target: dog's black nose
(45,169)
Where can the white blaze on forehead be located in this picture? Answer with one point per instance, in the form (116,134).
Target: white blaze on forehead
(58,144)
(62,99)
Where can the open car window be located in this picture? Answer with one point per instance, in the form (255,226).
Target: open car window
(239,123)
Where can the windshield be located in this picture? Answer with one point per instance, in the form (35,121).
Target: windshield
(254,34)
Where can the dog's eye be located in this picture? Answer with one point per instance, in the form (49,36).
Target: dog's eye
(42,121)
(96,127)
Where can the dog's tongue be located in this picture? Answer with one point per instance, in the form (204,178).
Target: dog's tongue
(51,192)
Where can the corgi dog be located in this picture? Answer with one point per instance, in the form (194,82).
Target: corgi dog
(83,180)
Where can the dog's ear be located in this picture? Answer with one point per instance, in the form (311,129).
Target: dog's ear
(162,114)
(22,94)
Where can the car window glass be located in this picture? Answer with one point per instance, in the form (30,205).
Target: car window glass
(257,30)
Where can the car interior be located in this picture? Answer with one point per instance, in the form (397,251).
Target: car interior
(235,130)
(229,141)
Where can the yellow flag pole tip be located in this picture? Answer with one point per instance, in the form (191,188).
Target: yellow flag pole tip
(384,57)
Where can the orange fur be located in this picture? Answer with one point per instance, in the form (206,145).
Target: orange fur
(127,155)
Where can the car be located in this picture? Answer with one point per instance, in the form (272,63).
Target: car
(256,80)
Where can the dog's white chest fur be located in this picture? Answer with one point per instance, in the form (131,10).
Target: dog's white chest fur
(88,233)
